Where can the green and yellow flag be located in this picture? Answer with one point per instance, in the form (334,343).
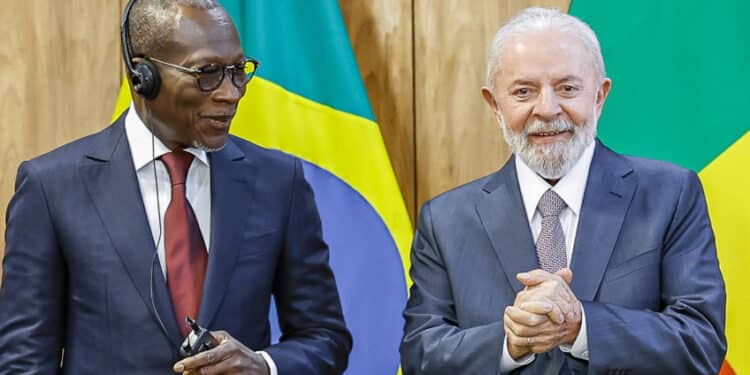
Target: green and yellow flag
(681,75)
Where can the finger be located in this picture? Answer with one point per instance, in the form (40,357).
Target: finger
(547,340)
(517,341)
(556,307)
(516,328)
(556,289)
(202,359)
(522,330)
(556,315)
(542,307)
(229,365)
(533,277)
(566,275)
(509,325)
(221,336)
(526,318)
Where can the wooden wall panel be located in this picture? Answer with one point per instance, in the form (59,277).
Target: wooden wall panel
(381,35)
(457,138)
(59,75)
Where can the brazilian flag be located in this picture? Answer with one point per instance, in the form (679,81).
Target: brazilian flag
(680,85)
(308,99)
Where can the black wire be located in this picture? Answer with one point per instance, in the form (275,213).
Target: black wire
(158,238)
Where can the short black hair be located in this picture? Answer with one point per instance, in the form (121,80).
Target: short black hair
(152,22)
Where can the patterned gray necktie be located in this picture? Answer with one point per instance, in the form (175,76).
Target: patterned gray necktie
(550,246)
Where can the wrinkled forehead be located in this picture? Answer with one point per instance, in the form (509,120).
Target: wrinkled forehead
(545,54)
(211,29)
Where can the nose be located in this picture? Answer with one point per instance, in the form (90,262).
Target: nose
(227,91)
(547,106)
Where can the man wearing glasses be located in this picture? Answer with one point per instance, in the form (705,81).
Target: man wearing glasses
(114,240)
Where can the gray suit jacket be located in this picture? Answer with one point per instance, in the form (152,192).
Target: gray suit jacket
(644,267)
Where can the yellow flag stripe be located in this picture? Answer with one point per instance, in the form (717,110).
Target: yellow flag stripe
(346,145)
(729,206)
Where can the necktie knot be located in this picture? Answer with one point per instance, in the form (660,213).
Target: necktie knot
(551,204)
(178,164)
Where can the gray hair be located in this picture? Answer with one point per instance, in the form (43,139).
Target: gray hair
(152,22)
(531,19)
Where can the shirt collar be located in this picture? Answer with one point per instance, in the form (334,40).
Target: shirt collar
(139,138)
(570,187)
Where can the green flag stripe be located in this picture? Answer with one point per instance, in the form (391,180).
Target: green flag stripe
(680,76)
(285,36)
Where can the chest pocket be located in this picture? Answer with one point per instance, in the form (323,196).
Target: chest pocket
(640,261)
(260,243)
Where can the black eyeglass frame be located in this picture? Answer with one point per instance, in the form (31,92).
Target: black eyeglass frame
(225,70)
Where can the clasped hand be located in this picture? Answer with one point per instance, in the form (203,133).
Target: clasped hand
(229,357)
(545,314)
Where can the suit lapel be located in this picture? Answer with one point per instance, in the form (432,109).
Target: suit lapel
(110,179)
(231,200)
(504,219)
(609,191)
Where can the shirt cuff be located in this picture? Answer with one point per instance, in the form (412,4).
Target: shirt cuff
(508,364)
(271,364)
(580,347)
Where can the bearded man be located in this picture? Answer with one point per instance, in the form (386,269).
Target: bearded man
(571,258)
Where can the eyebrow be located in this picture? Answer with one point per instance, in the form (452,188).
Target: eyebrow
(523,82)
(213,59)
(569,78)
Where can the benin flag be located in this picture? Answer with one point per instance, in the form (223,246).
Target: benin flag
(308,100)
(680,78)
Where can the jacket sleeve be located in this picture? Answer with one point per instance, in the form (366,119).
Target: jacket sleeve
(32,296)
(687,335)
(314,338)
(433,342)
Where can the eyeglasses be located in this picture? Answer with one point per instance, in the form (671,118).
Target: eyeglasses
(210,76)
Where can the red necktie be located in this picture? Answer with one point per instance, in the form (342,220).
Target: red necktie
(185,250)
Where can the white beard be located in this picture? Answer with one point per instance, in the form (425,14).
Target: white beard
(551,161)
(205,148)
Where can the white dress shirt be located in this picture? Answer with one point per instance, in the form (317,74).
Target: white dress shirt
(570,188)
(197,183)
(146,150)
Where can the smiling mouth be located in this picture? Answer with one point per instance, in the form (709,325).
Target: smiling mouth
(219,121)
(550,136)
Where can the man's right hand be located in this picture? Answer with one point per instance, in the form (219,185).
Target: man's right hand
(545,314)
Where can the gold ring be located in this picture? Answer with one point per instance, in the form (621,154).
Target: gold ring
(528,341)
(209,357)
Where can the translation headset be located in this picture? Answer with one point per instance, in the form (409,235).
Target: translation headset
(143,75)
(146,82)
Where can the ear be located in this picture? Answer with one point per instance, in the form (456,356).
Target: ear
(489,98)
(601,95)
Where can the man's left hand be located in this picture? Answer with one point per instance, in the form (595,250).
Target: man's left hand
(545,314)
(535,331)
(229,357)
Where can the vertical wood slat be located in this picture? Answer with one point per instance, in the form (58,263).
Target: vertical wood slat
(59,75)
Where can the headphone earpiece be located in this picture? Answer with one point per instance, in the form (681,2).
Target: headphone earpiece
(146,80)
(144,75)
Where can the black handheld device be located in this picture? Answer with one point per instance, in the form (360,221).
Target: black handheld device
(199,340)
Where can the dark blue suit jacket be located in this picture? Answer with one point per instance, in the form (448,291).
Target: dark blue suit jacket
(79,256)
(644,266)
